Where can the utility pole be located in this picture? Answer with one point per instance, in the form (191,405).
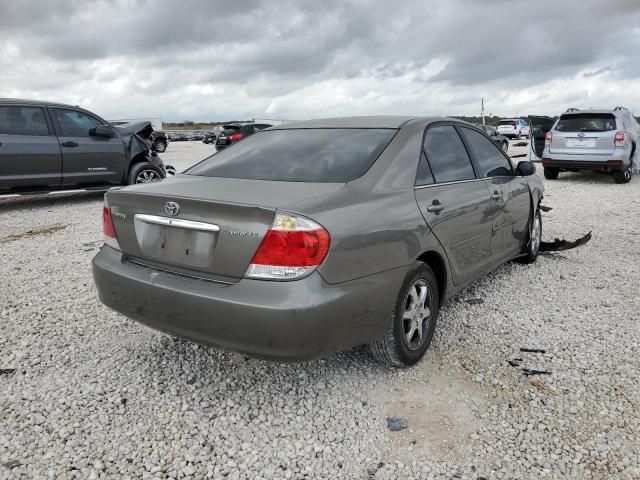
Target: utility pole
(482,110)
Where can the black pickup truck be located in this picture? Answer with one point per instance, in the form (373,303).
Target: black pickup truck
(47,146)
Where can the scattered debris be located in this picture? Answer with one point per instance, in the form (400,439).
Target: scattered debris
(396,424)
(7,371)
(543,387)
(558,244)
(515,362)
(544,208)
(522,155)
(474,301)
(373,470)
(532,350)
(48,230)
(529,372)
(191,380)
(12,464)
(521,144)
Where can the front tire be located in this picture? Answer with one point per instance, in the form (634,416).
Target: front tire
(551,173)
(534,239)
(144,172)
(413,322)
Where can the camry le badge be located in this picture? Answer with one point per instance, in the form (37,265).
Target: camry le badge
(172,208)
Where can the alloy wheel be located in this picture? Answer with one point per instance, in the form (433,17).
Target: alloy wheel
(417,314)
(147,176)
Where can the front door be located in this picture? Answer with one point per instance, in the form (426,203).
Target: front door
(87,159)
(539,126)
(29,151)
(509,193)
(454,202)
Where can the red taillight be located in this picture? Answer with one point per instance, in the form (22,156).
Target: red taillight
(293,247)
(235,136)
(548,137)
(620,139)
(108,229)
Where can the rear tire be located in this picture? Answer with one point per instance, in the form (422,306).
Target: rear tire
(622,176)
(413,322)
(144,172)
(551,173)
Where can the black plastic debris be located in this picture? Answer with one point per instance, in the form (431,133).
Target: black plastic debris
(7,371)
(12,464)
(474,301)
(529,372)
(396,424)
(544,208)
(532,350)
(561,244)
(521,144)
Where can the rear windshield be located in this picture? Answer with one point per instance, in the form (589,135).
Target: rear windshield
(586,122)
(299,155)
(507,122)
(231,128)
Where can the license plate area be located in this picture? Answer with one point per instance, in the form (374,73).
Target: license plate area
(176,242)
(581,142)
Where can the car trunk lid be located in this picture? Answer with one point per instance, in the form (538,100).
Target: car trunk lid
(205,227)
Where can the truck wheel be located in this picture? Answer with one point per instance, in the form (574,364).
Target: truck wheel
(551,173)
(622,176)
(161,146)
(144,172)
(413,321)
(534,239)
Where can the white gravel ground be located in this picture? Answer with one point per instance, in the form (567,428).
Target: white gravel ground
(94,395)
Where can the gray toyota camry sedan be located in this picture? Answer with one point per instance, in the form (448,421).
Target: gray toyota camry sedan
(314,237)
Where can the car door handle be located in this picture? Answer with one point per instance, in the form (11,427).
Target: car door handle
(496,195)
(69,144)
(436,207)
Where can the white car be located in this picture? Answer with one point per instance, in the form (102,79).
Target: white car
(513,128)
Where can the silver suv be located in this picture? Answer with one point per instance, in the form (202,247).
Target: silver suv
(592,140)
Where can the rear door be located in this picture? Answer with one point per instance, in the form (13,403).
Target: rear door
(454,202)
(584,133)
(509,213)
(539,126)
(87,159)
(30,155)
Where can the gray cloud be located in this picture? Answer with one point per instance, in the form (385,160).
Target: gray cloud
(220,59)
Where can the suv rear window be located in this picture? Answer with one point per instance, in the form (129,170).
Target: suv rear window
(328,155)
(586,122)
(507,122)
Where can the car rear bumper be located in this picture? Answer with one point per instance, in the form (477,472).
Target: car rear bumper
(286,321)
(587,162)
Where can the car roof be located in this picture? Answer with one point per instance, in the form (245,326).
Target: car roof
(582,112)
(22,101)
(372,121)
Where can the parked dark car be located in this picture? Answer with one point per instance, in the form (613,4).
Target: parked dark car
(178,137)
(499,140)
(48,146)
(197,136)
(209,137)
(236,132)
(313,237)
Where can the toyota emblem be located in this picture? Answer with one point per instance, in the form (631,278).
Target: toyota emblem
(172,208)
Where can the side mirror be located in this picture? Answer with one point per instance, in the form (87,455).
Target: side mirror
(102,131)
(526,168)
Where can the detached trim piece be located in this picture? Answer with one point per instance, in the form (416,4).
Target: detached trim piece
(177,222)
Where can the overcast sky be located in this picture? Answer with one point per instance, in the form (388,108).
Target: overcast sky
(217,60)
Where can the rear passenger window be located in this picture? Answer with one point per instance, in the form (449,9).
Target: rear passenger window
(447,156)
(15,120)
(488,156)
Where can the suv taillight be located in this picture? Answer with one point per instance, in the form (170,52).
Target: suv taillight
(108,229)
(620,139)
(235,136)
(293,247)
(548,137)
